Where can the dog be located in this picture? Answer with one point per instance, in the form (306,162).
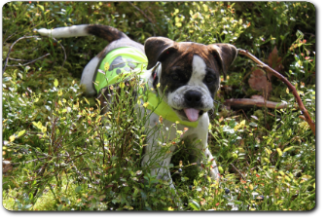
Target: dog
(184,74)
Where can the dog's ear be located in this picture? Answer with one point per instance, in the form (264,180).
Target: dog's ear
(225,54)
(157,49)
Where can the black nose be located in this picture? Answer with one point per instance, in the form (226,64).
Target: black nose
(193,98)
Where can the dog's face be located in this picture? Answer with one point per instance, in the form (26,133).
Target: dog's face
(188,73)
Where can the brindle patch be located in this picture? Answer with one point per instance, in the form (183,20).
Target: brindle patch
(106,32)
(176,59)
(177,68)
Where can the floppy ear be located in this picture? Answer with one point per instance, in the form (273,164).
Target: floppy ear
(157,49)
(225,54)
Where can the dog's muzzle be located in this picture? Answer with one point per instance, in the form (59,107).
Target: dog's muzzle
(192,99)
(192,106)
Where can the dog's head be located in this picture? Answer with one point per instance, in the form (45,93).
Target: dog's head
(188,73)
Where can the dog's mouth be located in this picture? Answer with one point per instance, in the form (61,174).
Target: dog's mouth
(191,114)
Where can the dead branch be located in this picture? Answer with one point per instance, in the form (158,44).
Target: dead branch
(238,171)
(30,62)
(80,175)
(149,19)
(248,102)
(26,37)
(288,84)
(17,59)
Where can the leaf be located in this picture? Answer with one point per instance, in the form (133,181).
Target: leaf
(279,151)
(205,7)
(241,125)
(41,7)
(56,83)
(287,149)
(253,124)
(20,133)
(6,166)
(122,85)
(195,205)
(274,61)
(266,160)
(78,189)
(60,93)
(258,81)
(299,34)
(85,101)
(304,125)
(106,66)
(12,138)
(268,151)
(43,129)
(37,125)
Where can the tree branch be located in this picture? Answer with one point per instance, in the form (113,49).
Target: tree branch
(150,20)
(238,171)
(26,37)
(288,84)
(246,102)
(32,61)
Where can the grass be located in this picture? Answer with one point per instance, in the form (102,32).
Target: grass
(66,156)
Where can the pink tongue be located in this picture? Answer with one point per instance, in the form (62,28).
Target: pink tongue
(192,114)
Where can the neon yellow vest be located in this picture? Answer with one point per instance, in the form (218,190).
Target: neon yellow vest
(133,63)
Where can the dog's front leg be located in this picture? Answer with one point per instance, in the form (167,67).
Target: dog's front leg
(214,174)
(205,156)
(157,160)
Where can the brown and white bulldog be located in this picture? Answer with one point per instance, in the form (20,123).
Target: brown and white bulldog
(188,76)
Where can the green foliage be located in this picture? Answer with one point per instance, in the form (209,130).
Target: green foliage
(206,23)
(65,156)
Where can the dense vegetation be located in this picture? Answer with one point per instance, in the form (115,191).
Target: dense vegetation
(59,153)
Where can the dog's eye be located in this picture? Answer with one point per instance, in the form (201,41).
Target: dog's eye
(178,76)
(210,78)
(175,77)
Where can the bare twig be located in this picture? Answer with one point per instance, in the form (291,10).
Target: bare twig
(80,175)
(26,37)
(75,157)
(17,59)
(243,102)
(30,161)
(32,61)
(236,169)
(103,146)
(64,51)
(11,46)
(9,37)
(244,114)
(148,18)
(288,84)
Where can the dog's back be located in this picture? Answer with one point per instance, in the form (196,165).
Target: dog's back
(116,39)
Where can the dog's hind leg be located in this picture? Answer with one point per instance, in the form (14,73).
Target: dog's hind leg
(87,78)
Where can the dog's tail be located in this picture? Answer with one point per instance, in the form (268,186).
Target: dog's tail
(106,32)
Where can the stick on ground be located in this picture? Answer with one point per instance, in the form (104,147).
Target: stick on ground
(288,84)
